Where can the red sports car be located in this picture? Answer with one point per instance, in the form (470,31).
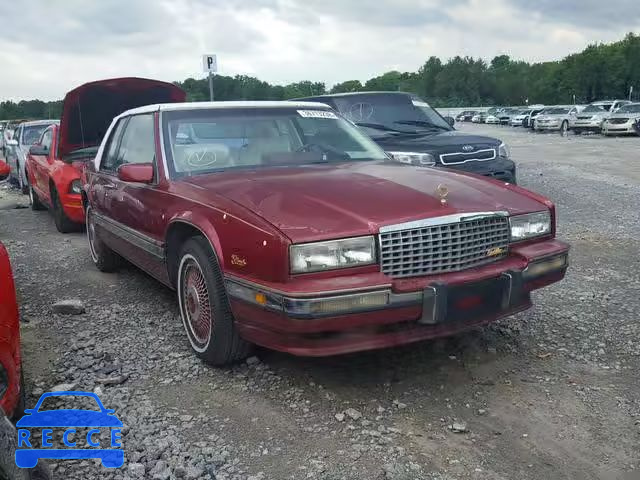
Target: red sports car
(11,394)
(55,163)
(281,224)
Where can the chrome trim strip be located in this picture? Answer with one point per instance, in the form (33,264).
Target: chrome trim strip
(258,286)
(493,150)
(167,175)
(144,242)
(446,219)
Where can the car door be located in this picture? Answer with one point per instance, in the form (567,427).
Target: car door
(130,211)
(41,165)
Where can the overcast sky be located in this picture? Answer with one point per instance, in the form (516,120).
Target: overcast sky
(48,47)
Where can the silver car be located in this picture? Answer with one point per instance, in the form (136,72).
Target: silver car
(594,115)
(16,149)
(625,120)
(557,118)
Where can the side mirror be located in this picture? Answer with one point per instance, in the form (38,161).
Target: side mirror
(450,120)
(12,143)
(136,172)
(39,150)
(4,170)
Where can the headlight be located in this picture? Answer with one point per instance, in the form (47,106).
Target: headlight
(413,158)
(504,150)
(76,187)
(530,225)
(320,256)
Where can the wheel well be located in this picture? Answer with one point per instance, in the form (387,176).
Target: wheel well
(179,232)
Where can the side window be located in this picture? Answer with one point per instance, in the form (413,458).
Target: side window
(17,134)
(109,156)
(46,139)
(137,145)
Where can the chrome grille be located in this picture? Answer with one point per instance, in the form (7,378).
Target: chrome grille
(463,157)
(444,247)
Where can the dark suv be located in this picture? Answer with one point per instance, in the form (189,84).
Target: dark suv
(413,132)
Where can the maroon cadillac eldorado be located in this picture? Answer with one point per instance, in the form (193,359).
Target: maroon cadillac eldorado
(281,224)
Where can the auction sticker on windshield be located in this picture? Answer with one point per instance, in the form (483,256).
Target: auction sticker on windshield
(317,114)
(55,432)
(419,103)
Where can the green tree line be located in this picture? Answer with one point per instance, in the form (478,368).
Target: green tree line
(599,71)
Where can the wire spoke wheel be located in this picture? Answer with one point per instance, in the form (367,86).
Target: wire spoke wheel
(91,234)
(195,303)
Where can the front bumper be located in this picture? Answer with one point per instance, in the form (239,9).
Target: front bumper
(503,169)
(586,125)
(377,314)
(619,128)
(548,126)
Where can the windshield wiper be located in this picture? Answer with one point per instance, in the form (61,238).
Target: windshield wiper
(422,123)
(385,128)
(325,150)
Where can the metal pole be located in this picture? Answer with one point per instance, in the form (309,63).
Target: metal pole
(211,86)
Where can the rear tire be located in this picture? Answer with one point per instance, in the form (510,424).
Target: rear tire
(105,259)
(63,223)
(204,306)
(24,187)
(34,200)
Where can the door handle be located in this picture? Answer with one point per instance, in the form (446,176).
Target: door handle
(109,186)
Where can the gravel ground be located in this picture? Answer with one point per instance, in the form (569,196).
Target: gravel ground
(549,393)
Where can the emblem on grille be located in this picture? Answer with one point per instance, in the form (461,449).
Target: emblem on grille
(468,148)
(442,192)
(495,252)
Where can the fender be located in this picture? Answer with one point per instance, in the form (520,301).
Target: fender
(203,224)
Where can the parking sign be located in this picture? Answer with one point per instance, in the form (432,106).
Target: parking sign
(209,63)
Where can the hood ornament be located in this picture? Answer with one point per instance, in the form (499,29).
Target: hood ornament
(443,192)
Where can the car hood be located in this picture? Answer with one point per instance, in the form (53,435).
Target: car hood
(88,110)
(316,202)
(625,115)
(443,142)
(69,418)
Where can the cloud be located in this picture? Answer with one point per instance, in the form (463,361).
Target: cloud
(48,48)
(595,14)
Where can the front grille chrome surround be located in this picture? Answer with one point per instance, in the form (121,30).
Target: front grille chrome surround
(618,121)
(444,244)
(457,158)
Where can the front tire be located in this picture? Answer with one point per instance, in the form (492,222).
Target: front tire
(204,306)
(105,259)
(564,128)
(63,223)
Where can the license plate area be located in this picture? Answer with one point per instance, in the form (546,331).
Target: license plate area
(444,304)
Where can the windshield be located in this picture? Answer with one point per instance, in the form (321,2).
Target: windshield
(390,114)
(593,109)
(31,133)
(633,108)
(556,111)
(204,141)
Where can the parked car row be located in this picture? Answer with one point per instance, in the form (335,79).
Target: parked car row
(609,117)
(318,226)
